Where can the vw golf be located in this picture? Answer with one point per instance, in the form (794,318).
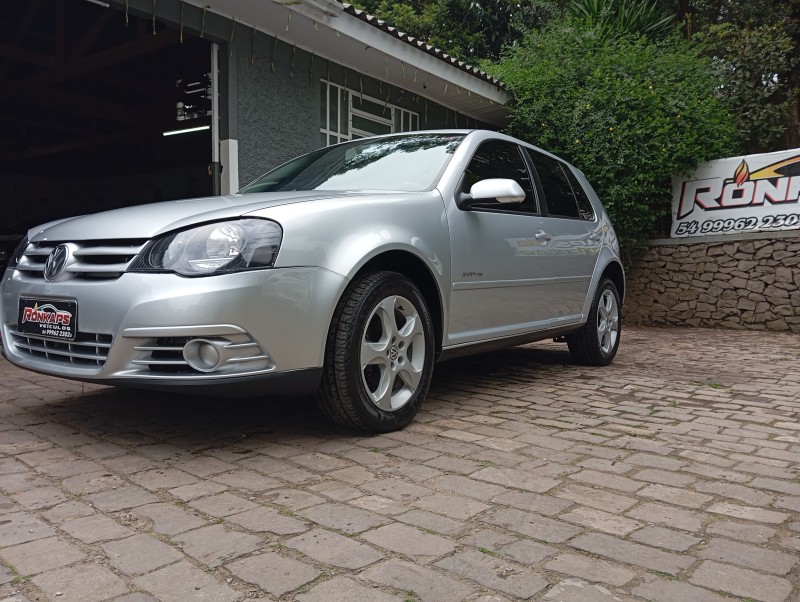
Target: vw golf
(345,273)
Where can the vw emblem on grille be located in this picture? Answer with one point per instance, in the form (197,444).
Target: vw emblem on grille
(56,262)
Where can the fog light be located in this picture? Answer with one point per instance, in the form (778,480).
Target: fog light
(202,355)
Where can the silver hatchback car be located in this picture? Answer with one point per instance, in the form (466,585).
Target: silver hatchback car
(344,273)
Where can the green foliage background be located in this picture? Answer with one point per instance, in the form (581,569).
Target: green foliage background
(627,111)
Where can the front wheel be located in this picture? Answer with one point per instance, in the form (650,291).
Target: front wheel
(597,342)
(379,355)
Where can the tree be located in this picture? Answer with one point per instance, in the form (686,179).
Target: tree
(468,29)
(628,111)
(755,45)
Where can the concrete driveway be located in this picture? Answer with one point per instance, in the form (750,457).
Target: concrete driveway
(671,475)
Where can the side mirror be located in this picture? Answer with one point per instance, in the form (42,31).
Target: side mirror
(502,190)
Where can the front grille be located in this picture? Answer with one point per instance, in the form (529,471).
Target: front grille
(88,350)
(95,259)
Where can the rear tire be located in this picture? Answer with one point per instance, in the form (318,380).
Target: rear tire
(597,342)
(379,355)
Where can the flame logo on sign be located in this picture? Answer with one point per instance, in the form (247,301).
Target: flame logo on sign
(742,173)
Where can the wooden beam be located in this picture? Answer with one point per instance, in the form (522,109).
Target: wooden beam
(64,147)
(22,30)
(124,52)
(100,23)
(98,108)
(15,53)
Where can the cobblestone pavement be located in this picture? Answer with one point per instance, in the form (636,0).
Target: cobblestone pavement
(671,475)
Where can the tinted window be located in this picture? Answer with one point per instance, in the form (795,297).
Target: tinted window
(557,190)
(584,205)
(500,159)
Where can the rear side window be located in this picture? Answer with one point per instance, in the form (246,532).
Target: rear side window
(584,205)
(558,193)
(501,159)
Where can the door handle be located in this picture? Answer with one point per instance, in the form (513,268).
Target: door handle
(543,236)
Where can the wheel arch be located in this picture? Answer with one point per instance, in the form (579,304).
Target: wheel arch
(614,272)
(415,269)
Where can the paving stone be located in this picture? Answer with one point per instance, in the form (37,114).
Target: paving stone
(396,489)
(495,573)
(136,597)
(663,477)
(162,478)
(596,498)
(67,511)
(343,517)
(603,479)
(247,480)
(222,505)
(204,466)
(632,553)
(214,545)
(332,548)
(668,516)
(169,519)
(600,521)
(92,482)
(433,522)
(526,551)
(94,528)
(193,491)
(749,496)
(183,582)
(754,533)
(273,573)
(510,477)
(674,495)
(40,498)
(575,590)
(453,506)
(342,589)
(777,484)
(665,538)
(80,583)
(261,519)
(466,487)
(19,527)
(741,582)
(531,525)
(140,554)
(121,499)
(661,590)
(7,505)
(40,555)
(532,502)
(754,557)
(749,513)
(410,541)
(590,569)
(21,481)
(294,499)
(426,583)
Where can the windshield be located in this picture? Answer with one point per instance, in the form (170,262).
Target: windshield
(408,163)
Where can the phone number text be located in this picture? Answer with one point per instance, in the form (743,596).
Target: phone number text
(789,220)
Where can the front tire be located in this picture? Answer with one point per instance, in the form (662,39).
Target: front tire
(597,342)
(379,355)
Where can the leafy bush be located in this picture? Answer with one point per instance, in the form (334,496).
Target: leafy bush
(627,111)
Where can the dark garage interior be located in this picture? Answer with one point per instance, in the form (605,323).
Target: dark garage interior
(86,94)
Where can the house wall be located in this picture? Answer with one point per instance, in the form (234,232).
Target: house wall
(278,102)
(748,283)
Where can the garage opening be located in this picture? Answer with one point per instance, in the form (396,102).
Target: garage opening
(87,93)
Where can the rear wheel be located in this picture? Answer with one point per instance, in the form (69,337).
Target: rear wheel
(596,344)
(379,355)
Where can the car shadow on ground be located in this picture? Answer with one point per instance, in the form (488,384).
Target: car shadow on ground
(142,417)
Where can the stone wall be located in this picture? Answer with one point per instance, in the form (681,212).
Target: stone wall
(752,282)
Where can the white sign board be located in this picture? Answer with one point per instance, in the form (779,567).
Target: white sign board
(740,194)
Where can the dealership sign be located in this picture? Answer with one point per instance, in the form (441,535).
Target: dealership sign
(741,194)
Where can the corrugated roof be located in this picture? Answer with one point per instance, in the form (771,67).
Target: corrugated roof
(421,44)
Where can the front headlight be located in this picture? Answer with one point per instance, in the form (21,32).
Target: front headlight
(217,248)
(19,251)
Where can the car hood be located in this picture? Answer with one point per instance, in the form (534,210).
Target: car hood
(147,221)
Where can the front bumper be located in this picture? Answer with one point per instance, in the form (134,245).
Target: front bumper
(261,327)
